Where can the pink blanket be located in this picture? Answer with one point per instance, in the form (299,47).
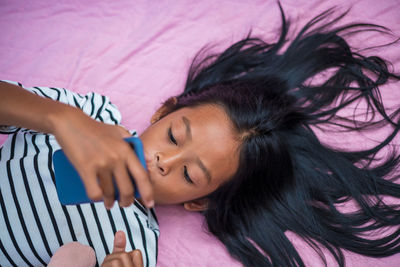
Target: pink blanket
(138,52)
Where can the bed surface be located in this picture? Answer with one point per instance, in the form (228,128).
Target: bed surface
(138,53)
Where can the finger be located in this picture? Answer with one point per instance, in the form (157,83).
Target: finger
(142,180)
(137,259)
(93,189)
(119,242)
(119,259)
(106,184)
(112,261)
(125,186)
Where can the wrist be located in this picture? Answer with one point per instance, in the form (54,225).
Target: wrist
(57,120)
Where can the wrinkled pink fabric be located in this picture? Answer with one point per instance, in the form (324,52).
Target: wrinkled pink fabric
(138,53)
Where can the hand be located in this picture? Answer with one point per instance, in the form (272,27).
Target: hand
(99,153)
(120,258)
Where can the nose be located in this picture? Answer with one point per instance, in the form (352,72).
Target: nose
(165,162)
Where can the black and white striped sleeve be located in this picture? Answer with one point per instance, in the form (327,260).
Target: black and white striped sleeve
(97,106)
(33,222)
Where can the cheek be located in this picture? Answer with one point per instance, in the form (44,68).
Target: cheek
(174,190)
(170,194)
(166,186)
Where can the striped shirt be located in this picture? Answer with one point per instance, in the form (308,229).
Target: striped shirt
(34,224)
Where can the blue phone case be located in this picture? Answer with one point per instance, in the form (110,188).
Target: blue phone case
(70,188)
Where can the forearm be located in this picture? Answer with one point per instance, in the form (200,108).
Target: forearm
(21,108)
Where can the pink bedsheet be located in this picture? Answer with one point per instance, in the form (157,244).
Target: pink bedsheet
(138,52)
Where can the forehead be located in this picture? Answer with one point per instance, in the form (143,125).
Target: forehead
(213,139)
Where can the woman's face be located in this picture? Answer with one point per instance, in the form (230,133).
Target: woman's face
(189,153)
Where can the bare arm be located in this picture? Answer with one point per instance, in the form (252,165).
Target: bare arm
(97,150)
(21,108)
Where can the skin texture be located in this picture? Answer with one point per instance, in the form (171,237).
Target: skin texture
(212,141)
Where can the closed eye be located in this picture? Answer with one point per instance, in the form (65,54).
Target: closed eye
(186,175)
(171,136)
(185,172)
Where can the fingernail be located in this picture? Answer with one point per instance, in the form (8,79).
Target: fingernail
(109,205)
(150,204)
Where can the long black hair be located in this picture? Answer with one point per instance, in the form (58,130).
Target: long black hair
(287,179)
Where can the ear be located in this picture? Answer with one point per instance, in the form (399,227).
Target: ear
(196,205)
(164,110)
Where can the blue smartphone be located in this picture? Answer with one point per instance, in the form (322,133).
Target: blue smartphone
(70,187)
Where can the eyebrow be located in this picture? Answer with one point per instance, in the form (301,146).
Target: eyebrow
(186,121)
(204,169)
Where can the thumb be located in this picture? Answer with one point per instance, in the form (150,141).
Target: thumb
(119,242)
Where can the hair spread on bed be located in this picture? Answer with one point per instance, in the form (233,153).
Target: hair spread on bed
(287,179)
